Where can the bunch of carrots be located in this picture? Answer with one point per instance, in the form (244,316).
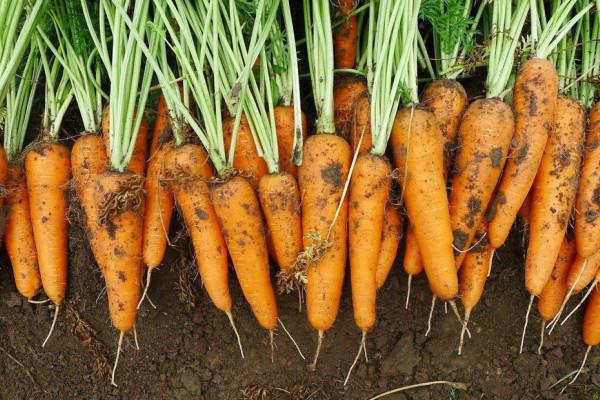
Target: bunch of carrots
(230,150)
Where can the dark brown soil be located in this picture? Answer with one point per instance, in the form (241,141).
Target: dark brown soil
(193,354)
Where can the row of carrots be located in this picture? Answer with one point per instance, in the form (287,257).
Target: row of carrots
(314,203)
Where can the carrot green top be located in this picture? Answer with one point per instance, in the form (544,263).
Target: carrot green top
(74,50)
(391,64)
(19,100)
(129,74)
(18,22)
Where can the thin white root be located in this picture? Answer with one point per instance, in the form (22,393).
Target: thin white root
(272,346)
(430,315)
(37,301)
(137,345)
(457,315)
(587,352)
(53,324)
(408,291)
(542,331)
(491,262)
(583,299)
(455,385)
(114,370)
(554,321)
(525,326)
(360,348)
(463,330)
(313,366)
(291,338)
(148,276)
(237,335)
(445,307)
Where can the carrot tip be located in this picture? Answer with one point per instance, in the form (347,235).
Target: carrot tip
(52,326)
(112,378)
(430,315)
(237,335)
(525,326)
(313,365)
(360,349)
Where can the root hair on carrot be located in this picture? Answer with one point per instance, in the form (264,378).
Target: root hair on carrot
(542,331)
(56,310)
(291,338)
(433,299)
(360,350)
(408,291)
(313,365)
(114,370)
(525,325)
(237,335)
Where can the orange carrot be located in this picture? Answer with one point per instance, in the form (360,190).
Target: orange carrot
(347,91)
(361,126)
(485,134)
(587,226)
(321,179)
(390,240)
(238,211)
(246,158)
(345,35)
(412,261)
(535,97)
(447,99)
(48,170)
(284,127)
(369,192)
(418,154)
(280,202)
(473,274)
(554,193)
(18,235)
(137,165)
(189,170)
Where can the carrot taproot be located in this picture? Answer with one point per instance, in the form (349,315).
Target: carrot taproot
(246,158)
(361,126)
(369,192)
(485,133)
(554,292)
(239,216)
(554,193)
(280,201)
(473,275)
(587,226)
(412,261)
(284,127)
(536,91)
(447,99)
(321,178)
(189,170)
(346,92)
(525,209)
(18,234)
(418,154)
(119,237)
(345,35)
(391,235)
(48,171)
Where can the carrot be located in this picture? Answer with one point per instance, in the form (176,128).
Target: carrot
(587,228)
(238,211)
(246,158)
(347,91)
(391,235)
(284,126)
(554,193)
(535,98)
(418,154)
(369,192)
(321,180)
(555,290)
(473,274)
(447,99)
(189,170)
(280,201)
(48,171)
(88,160)
(345,35)
(119,239)
(525,209)
(412,261)
(485,134)
(18,234)
(159,198)
(361,126)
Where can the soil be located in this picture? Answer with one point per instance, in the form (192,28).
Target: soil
(188,350)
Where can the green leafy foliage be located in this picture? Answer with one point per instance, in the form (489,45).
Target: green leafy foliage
(447,17)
